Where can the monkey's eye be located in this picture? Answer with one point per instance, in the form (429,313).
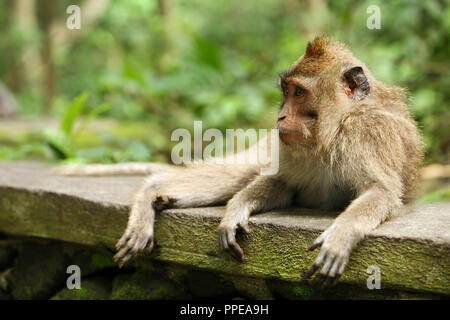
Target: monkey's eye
(299,91)
(285,92)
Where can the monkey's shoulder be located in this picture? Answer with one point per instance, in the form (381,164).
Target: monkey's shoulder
(377,125)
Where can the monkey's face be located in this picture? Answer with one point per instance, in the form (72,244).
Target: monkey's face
(325,77)
(297,119)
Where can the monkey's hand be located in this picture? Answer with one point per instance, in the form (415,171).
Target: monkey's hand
(227,238)
(262,194)
(336,244)
(136,238)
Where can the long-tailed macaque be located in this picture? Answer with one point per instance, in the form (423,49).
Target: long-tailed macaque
(348,142)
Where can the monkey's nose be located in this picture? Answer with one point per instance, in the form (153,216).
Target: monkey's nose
(281,118)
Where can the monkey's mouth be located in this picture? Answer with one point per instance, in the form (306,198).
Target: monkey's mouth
(284,131)
(294,136)
(290,137)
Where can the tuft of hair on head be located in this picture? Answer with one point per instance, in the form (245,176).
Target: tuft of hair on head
(318,47)
(316,57)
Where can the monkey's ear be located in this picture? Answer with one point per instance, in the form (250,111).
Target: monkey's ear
(357,82)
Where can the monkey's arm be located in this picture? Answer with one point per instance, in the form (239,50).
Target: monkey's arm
(374,161)
(264,193)
(363,215)
(177,187)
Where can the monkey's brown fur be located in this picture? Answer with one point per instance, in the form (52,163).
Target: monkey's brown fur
(348,142)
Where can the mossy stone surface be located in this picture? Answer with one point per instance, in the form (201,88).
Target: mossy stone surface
(412,250)
(146,286)
(7,255)
(39,271)
(40,268)
(204,284)
(94,288)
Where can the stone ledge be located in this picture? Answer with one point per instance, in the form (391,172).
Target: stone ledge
(412,250)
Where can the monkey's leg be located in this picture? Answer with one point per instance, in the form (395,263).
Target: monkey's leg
(363,215)
(139,232)
(178,187)
(132,168)
(264,193)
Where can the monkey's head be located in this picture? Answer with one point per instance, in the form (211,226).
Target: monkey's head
(320,86)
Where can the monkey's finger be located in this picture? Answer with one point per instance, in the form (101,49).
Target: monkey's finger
(333,276)
(135,245)
(327,265)
(340,269)
(342,266)
(226,240)
(327,282)
(244,227)
(314,246)
(238,252)
(149,247)
(139,245)
(325,272)
(334,269)
(123,240)
(332,273)
(321,278)
(231,252)
(312,270)
(123,259)
(126,258)
(335,281)
(318,280)
(318,242)
(317,264)
(120,261)
(234,246)
(223,243)
(119,255)
(128,251)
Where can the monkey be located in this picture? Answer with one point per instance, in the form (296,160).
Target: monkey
(348,143)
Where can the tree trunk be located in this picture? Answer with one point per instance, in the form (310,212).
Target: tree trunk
(30,57)
(49,76)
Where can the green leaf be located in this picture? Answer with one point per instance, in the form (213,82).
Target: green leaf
(91,115)
(134,151)
(72,113)
(60,143)
(207,52)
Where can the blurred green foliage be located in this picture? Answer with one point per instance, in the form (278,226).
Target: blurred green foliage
(436,196)
(218,61)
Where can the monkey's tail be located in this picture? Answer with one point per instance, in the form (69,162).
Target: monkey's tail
(127,169)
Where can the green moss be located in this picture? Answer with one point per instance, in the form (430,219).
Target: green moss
(302,290)
(253,288)
(145,286)
(292,290)
(102,261)
(189,237)
(39,271)
(204,284)
(96,288)
(177,273)
(87,226)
